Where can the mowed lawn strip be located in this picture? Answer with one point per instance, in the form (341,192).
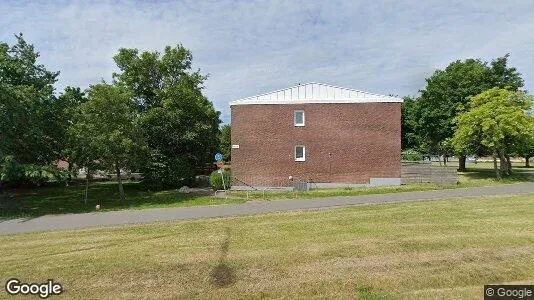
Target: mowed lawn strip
(35,202)
(428,249)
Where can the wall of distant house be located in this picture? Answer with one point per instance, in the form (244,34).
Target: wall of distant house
(346,143)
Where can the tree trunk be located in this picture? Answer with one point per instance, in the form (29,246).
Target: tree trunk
(527,164)
(1,191)
(444,159)
(508,164)
(86,185)
(461,163)
(119,179)
(497,171)
(69,170)
(503,163)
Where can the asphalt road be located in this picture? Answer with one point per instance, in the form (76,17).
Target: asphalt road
(113,218)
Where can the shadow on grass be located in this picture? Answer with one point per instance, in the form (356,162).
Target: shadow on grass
(36,202)
(223,275)
(489,174)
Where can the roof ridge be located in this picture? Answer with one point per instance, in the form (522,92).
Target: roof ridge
(332,88)
(348,89)
(318,83)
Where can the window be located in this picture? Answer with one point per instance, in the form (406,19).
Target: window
(299,118)
(300,153)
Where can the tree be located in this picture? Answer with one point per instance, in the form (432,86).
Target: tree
(70,103)
(497,119)
(525,148)
(180,124)
(226,142)
(10,170)
(504,77)
(76,152)
(148,74)
(447,93)
(107,130)
(31,130)
(28,120)
(410,115)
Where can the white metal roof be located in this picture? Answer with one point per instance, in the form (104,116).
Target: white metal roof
(315,93)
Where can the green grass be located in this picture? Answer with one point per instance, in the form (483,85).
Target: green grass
(484,165)
(36,202)
(471,178)
(446,249)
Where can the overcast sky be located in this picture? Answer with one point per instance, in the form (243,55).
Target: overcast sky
(252,47)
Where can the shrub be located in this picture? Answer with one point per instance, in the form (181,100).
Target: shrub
(13,172)
(411,155)
(216,180)
(161,172)
(38,175)
(10,170)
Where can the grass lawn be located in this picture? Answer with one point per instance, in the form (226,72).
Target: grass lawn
(36,202)
(416,250)
(474,177)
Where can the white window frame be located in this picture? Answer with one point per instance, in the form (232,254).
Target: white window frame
(295,118)
(303,158)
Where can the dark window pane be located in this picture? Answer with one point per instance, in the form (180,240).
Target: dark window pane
(299,117)
(299,152)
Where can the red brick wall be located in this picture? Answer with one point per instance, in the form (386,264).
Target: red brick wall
(345,143)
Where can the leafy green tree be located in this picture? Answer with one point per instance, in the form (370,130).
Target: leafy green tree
(32,128)
(70,100)
(525,148)
(149,74)
(29,125)
(10,170)
(447,92)
(410,115)
(498,119)
(180,124)
(504,77)
(226,142)
(108,130)
(76,152)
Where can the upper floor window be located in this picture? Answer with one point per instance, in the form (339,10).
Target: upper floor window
(299,118)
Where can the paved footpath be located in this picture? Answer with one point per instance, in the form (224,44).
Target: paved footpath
(112,218)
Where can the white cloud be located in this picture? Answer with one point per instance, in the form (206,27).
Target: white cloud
(251,47)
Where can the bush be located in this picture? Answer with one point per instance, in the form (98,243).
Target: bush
(10,169)
(14,173)
(162,172)
(411,155)
(216,180)
(38,175)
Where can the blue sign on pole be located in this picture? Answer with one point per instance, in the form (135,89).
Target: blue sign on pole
(218,157)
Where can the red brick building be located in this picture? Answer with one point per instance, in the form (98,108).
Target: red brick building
(314,132)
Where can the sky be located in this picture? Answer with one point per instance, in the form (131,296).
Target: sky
(253,47)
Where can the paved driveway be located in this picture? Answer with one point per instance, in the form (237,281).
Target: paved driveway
(74,221)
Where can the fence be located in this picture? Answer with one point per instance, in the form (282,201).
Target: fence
(271,184)
(425,172)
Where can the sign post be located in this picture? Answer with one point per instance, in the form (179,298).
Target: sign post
(220,165)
